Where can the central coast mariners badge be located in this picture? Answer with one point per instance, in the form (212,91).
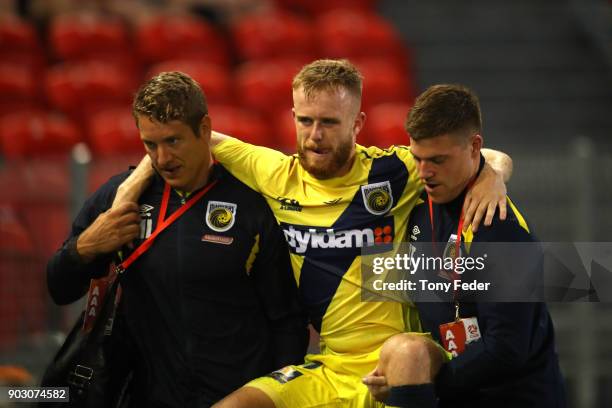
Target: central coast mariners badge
(377,197)
(220,216)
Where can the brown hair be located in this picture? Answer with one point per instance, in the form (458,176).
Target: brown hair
(444,109)
(171,96)
(327,74)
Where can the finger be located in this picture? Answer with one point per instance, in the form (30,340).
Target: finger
(130,218)
(469,215)
(131,230)
(490,213)
(478,214)
(502,209)
(375,380)
(467,201)
(127,234)
(126,207)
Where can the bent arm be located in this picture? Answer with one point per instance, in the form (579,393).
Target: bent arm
(138,181)
(499,161)
(217,138)
(95,235)
(489,191)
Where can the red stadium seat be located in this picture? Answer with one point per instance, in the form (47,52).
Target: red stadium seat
(104,167)
(81,88)
(385,125)
(272,35)
(181,37)
(51,224)
(215,80)
(383,81)
(19,43)
(88,36)
(353,34)
(18,88)
(285,130)
(16,271)
(319,7)
(31,134)
(266,86)
(243,124)
(113,131)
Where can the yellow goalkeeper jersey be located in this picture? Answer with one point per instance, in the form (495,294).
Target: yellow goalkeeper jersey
(326,224)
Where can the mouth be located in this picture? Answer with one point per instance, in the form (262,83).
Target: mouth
(170,171)
(431,187)
(319,151)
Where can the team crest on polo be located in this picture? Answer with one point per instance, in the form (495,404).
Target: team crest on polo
(220,216)
(377,197)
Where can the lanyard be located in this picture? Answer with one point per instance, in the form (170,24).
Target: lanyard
(162,223)
(457,242)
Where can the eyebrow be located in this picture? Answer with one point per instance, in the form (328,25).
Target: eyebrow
(439,156)
(323,119)
(164,140)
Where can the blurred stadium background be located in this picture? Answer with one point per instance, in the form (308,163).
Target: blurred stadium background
(69,68)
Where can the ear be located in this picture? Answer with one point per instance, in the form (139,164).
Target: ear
(359,123)
(205,127)
(476,144)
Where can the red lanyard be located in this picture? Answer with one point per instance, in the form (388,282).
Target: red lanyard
(457,242)
(162,223)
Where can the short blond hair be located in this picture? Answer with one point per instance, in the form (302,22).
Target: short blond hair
(326,74)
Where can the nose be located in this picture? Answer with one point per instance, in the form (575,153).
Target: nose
(316,132)
(425,170)
(163,156)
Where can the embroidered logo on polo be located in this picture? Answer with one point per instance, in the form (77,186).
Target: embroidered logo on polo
(146,223)
(332,202)
(289,204)
(377,197)
(220,216)
(415,231)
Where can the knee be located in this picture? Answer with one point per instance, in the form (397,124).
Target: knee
(410,359)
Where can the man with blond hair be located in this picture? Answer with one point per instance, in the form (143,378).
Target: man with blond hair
(332,199)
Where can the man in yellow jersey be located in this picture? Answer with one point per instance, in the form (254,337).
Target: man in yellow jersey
(331,199)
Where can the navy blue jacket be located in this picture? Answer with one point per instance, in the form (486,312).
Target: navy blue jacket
(210,306)
(514,364)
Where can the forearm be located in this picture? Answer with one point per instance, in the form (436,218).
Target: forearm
(68,276)
(499,161)
(137,182)
(217,138)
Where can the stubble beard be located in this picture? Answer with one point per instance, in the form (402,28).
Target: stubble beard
(339,159)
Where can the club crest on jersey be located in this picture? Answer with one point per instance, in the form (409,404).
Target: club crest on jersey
(220,216)
(377,197)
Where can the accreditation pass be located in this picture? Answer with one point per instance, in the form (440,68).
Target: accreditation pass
(33,394)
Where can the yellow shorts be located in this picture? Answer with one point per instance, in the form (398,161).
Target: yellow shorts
(314,384)
(324,380)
